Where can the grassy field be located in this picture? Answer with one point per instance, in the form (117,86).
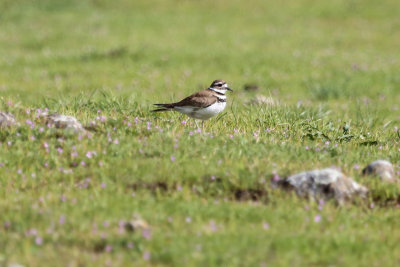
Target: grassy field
(332,69)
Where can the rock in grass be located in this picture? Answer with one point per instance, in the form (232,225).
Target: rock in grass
(7,119)
(260,100)
(64,122)
(382,169)
(325,183)
(136,224)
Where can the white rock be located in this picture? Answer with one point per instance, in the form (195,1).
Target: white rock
(64,122)
(7,119)
(325,183)
(382,169)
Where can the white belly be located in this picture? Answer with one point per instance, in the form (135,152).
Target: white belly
(202,113)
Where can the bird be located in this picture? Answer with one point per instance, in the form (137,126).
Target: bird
(202,105)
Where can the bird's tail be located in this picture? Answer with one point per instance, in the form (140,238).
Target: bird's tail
(163,107)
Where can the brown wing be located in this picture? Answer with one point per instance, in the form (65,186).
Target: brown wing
(200,99)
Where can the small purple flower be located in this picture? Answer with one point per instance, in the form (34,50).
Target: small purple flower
(146,255)
(108,248)
(60,150)
(38,240)
(265,226)
(7,224)
(61,220)
(103,185)
(317,218)
(172,158)
(213,226)
(183,122)
(276,177)
(356,166)
(188,219)
(146,233)
(116,142)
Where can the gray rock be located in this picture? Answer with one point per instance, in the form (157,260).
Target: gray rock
(7,119)
(64,122)
(325,183)
(382,169)
(136,224)
(261,100)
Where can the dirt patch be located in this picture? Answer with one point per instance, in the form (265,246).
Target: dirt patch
(249,194)
(157,186)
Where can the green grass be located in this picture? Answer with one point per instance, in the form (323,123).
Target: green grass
(333,67)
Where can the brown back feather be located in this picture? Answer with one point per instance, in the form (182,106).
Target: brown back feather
(203,98)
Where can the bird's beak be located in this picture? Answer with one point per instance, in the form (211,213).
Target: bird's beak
(227,88)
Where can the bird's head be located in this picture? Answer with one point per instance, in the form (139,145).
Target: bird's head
(220,86)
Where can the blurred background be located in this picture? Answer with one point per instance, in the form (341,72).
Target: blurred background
(294,50)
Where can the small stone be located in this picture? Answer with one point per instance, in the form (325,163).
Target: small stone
(7,119)
(64,122)
(325,183)
(136,224)
(382,169)
(260,100)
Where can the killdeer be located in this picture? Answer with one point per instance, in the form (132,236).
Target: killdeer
(202,105)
